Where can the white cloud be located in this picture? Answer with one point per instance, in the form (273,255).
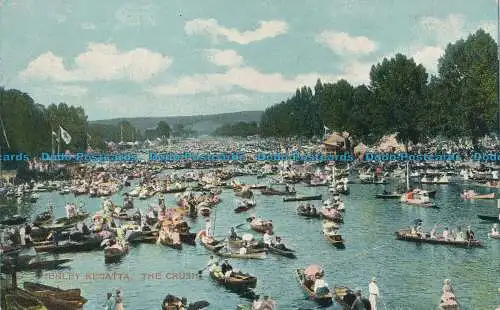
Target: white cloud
(356,73)
(445,30)
(344,44)
(88,26)
(246,78)
(224,58)
(428,56)
(70,90)
(211,27)
(490,27)
(100,62)
(236,98)
(136,15)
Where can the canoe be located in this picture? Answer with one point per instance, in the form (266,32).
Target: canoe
(406,236)
(40,265)
(388,196)
(302,198)
(259,255)
(237,281)
(489,218)
(13,220)
(244,208)
(113,255)
(19,299)
(324,301)
(282,252)
(33,287)
(74,219)
(273,192)
(70,247)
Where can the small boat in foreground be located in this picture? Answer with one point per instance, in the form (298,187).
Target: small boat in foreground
(38,287)
(406,235)
(302,198)
(330,231)
(323,300)
(18,299)
(55,298)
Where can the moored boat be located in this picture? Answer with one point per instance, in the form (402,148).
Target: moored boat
(38,287)
(37,265)
(73,219)
(406,235)
(14,220)
(55,298)
(258,255)
(245,206)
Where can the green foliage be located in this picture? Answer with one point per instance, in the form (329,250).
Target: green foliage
(241,129)
(460,102)
(163,129)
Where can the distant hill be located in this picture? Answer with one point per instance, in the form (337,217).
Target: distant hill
(202,124)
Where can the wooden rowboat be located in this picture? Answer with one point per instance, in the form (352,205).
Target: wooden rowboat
(282,252)
(259,255)
(19,299)
(113,255)
(406,235)
(324,301)
(302,198)
(236,282)
(37,287)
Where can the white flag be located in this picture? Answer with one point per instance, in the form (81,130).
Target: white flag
(65,136)
(54,134)
(326,128)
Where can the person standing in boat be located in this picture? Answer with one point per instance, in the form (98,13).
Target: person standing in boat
(208,228)
(447,288)
(110,303)
(119,301)
(434,232)
(374,293)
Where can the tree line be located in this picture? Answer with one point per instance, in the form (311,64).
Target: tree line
(460,101)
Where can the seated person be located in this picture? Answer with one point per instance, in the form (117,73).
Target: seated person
(279,245)
(320,286)
(226,268)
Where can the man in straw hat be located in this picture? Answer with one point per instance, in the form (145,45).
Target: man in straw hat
(374,293)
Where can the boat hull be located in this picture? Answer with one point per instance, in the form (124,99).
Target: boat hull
(302,198)
(323,301)
(237,282)
(405,236)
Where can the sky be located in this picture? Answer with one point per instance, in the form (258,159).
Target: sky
(172,57)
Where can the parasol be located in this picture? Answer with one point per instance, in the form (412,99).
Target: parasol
(312,270)
(247,237)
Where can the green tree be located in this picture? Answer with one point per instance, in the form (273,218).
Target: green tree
(399,86)
(163,129)
(467,85)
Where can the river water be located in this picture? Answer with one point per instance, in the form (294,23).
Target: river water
(409,276)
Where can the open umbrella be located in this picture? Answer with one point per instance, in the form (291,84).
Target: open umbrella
(312,270)
(247,237)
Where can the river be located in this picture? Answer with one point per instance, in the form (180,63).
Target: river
(409,275)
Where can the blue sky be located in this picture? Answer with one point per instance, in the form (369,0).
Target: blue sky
(169,57)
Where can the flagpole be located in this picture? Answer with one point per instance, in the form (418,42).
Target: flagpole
(52,138)
(59,141)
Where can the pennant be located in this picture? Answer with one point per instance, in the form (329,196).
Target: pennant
(54,134)
(65,135)
(326,128)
